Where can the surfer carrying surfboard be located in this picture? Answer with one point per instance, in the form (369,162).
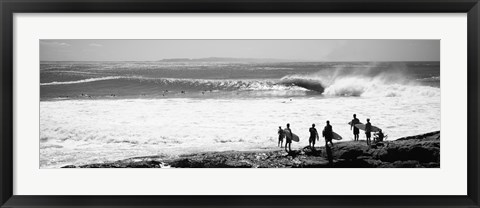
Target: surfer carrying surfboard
(313,136)
(356,131)
(328,133)
(368,130)
(289,137)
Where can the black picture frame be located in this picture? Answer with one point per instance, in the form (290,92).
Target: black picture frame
(9,7)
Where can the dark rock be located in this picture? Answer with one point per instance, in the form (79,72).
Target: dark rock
(428,136)
(431,165)
(422,151)
(348,153)
(238,164)
(313,163)
(353,164)
(406,164)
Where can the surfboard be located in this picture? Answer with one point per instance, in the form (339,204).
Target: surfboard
(362,127)
(295,137)
(350,123)
(336,136)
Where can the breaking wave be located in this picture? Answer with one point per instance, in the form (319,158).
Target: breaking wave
(339,84)
(303,82)
(360,85)
(366,87)
(83,80)
(178,84)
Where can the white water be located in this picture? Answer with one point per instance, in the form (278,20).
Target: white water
(86,131)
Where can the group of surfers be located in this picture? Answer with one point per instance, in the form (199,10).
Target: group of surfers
(327,133)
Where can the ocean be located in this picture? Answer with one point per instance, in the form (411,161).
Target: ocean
(94,112)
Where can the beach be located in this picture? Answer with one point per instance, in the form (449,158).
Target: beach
(100,112)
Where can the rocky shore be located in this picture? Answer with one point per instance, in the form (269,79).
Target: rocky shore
(421,151)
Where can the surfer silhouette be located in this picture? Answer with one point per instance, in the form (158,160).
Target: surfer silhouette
(313,136)
(329,155)
(356,131)
(328,133)
(379,136)
(368,130)
(281,134)
(288,141)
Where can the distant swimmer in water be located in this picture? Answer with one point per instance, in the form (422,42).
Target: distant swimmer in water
(288,141)
(328,133)
(183,92)
(356,131)
(203,92)
(368,130)
(281,135)
(313,136)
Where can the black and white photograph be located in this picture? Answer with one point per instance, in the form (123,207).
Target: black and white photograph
(239,103)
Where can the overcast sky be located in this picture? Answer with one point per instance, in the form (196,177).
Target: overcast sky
(308,50)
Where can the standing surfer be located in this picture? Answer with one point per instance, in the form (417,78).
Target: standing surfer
(356,131)
(368,130)
(313,136)
(281,134)
(289,137)
(328,133)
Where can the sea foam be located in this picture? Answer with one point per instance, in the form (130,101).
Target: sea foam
(86,131)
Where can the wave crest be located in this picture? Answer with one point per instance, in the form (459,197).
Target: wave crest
(358,85)
(83,80)
(378,87)
(340,85)
(303,82)
(181,84)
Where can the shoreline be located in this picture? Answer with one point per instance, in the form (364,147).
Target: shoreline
(419,151)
